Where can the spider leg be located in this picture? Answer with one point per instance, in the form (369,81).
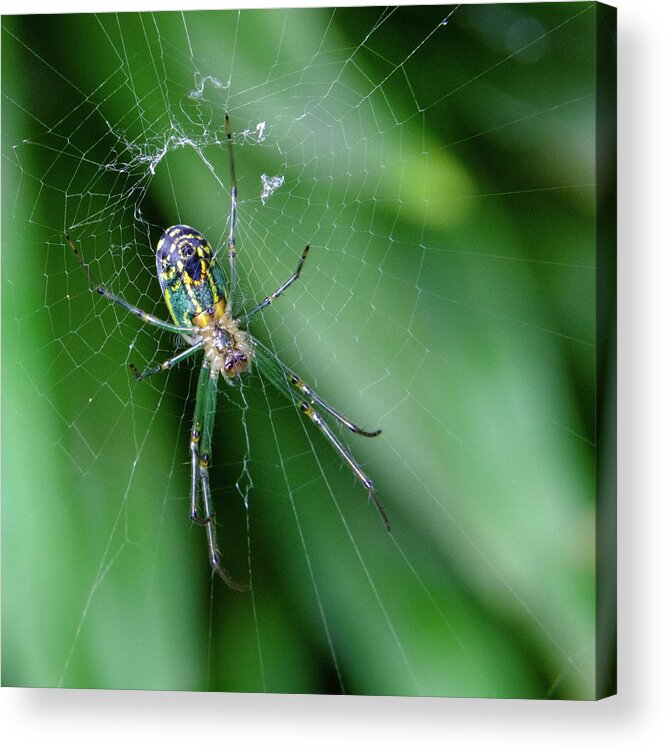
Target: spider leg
(299,384)
(269,300)
(97,287)
(195,439)
(269,361)
(207,394)
(282,378)
(232,217)
(309,411)
(167,363)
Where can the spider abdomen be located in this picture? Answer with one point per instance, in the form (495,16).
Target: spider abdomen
(190,277)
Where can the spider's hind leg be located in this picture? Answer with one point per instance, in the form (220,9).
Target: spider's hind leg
(167,363)
(104,292)
(271,297)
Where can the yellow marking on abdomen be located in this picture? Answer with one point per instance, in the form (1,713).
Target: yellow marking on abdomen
(204,319)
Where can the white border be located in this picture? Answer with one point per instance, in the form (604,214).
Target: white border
(73,719)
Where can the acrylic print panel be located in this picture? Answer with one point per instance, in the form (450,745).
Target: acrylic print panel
(445,165)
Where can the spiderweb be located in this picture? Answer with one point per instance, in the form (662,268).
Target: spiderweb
(439,161)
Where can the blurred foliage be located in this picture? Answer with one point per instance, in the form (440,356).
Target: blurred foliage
(444,175)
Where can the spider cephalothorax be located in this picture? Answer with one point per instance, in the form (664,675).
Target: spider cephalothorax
(226,346)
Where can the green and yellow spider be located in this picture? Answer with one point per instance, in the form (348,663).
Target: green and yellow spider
(200,304)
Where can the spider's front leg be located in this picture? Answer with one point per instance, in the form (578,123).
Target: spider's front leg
(195,442)
(200,448)
(307,409)
(288,382)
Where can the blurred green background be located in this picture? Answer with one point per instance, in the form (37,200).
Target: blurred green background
(444,175)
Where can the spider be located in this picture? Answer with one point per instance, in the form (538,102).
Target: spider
(200,304)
